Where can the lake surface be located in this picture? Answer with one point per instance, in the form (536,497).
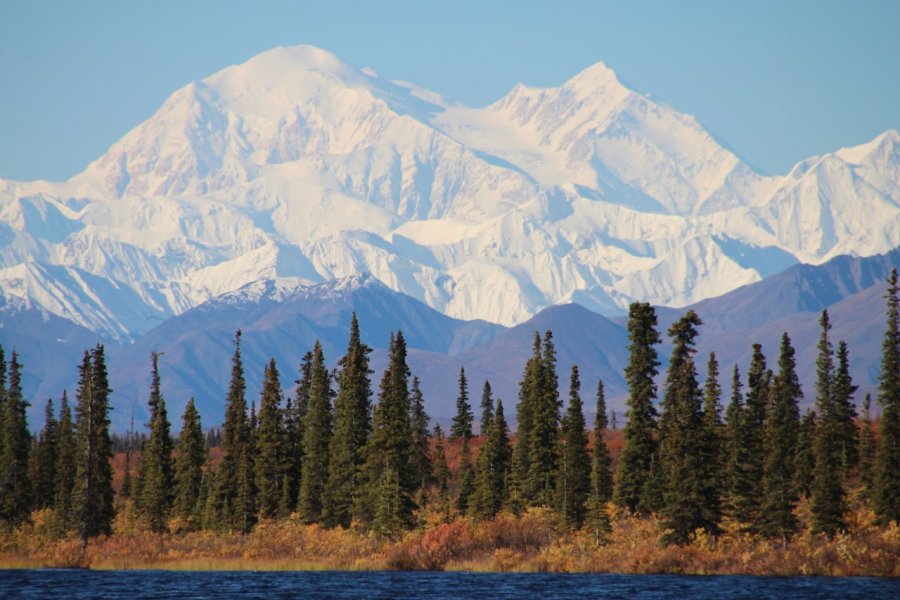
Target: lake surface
(401,585)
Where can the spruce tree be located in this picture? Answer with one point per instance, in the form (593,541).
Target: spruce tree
(441,471)
(712,446)
(387,487)
(466,479)
(543,437)
(157,477)
(682,451)
(828,496)
(528,389)
(597,518)
(747,495)
(352,424)
(734,443)
(867,451)
(421,439)
(65,469)
(15,485)
(574,480)
(230,507)
(92,492)
(487,407)
(189,465)
(845,411)
(462,421)
(316,439)
(269,460)
(45,459)
(805,461)
(294,414)
(492,468)
(886,484)
(781,431)
(639,449)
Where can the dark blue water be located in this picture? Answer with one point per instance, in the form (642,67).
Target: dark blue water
(401,585)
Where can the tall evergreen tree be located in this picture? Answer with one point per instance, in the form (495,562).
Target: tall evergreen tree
(639,448)
(92,493)
(316,439)
(189,464)
(15,485)
(418,418)
(294,415)
(352,424)
(65,469)
(45,459)
(682,451)
(746,498)
(845,411)
(734,443)
(867,450)
(462,421)
(805,461)
(386,498)
(492,468)
(157,476)
(574,481)
(487,407)
(466,479)
(270,460)
(886,485)
(597,518)
(828,496)
(529,387)
(231,506)
(781,431)
(712,446)
(441,470)
(543,436)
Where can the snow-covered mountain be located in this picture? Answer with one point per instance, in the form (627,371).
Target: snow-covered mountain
(297,167)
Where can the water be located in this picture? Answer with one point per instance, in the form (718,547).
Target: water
(402,585)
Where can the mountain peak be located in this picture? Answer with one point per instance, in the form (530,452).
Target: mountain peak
(595,77)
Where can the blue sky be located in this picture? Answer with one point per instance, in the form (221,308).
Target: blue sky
(777,81)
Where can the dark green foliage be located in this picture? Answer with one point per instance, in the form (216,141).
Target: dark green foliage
(782,429)
(574,480)
(92,492)
(388,485)
(45,459)
(189,466)
(867,450)
(805,460)
(634,472)
(441,471)
(828,496)
(15,485)
(487,407)
(528,389)
(845,411)
(712,446)
(886,485)
(734,442)
(269,458)
(352,424)
(234,496)
(466,479)
(746,491)
(294,415)
(65,469)
(418,418)
(543,435)
(156,475)
(461,427)
(316,439)
(682,441)
(597,518)
(492,468)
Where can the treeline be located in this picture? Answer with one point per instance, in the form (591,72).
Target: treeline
(326,454)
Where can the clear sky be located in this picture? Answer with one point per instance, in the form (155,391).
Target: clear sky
(777,81)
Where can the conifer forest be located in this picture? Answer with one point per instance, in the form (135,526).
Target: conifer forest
(714,464)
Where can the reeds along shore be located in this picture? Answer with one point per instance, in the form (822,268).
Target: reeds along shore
(531,542)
